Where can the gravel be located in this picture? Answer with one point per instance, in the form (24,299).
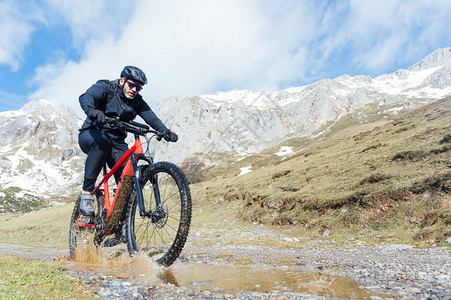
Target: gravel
(386,271)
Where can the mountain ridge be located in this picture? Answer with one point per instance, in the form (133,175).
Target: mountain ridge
(40,153)
(244,122)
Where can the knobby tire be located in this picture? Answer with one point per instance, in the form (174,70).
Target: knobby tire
(73,229)
(161,239)
(76,232)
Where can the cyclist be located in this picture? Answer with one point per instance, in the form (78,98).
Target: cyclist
(102,143)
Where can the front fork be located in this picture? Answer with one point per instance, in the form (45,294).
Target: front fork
(137,176)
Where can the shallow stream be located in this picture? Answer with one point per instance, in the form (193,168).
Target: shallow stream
(213,277)
(222,278)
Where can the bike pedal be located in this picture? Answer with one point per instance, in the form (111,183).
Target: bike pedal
(86,222)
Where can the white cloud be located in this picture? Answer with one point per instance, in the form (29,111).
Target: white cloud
(189,48)
(90,21)
(184,47)
(18,23)
(382,33)
(195,47)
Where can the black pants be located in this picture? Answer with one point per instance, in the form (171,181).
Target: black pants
(100,149)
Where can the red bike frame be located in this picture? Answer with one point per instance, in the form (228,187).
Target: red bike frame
(128,170)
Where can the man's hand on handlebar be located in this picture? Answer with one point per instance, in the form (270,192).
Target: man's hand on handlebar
(97,115)
(170,136)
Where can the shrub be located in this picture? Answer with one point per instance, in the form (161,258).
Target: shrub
(446,139)
(194,169)
(409,155)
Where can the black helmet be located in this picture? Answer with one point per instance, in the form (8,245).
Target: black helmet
(131,72)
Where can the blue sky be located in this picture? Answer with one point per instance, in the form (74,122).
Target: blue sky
(54,50)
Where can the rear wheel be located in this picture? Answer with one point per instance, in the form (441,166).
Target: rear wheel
(80,232)
(163,234)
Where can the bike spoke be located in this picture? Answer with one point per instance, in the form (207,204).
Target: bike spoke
(175,219)
(146,226)
(169,225)
(175,205)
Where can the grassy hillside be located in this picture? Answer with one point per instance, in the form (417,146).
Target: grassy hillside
(44,228)
(390,178)
(385,179)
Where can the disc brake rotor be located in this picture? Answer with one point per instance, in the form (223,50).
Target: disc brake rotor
(162,218)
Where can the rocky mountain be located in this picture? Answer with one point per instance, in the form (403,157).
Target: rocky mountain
(242,122)
(39,154)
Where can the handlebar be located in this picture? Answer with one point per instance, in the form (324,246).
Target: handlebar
(134,127)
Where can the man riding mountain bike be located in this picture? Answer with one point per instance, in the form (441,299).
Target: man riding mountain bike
(102,143)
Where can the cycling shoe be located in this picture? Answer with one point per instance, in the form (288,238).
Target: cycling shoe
(86,206)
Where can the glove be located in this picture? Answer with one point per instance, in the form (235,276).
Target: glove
(97,115)
(170,136)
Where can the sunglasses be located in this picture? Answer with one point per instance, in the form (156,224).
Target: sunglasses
(132,86)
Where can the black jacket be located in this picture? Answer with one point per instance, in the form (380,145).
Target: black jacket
(96,97)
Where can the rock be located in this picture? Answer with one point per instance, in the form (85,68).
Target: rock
(397,247)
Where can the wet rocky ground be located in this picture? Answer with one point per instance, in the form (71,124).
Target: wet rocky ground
(393,270)
(380,271)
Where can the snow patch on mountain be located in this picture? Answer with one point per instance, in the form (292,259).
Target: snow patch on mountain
(245,170)
(284,151)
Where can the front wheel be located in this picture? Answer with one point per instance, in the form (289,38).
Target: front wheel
(167,198)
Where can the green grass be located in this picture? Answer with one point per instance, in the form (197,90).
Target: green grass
(25,279)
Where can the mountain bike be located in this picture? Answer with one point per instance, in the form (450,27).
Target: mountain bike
(150,210)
